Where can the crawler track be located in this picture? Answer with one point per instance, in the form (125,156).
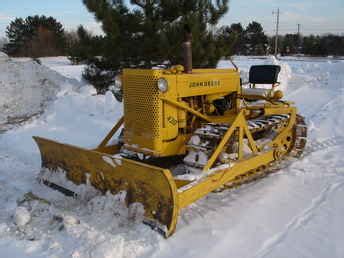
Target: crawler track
(206,139)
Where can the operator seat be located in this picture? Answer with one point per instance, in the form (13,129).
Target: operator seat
(259,75)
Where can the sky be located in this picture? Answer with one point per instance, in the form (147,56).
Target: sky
(314,16)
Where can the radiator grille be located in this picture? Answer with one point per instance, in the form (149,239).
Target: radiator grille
(142,109)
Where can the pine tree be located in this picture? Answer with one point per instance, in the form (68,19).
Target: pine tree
(232,38)
(35,36)
(290,44)
(146,33)
(255,39)
(85,47)
(313,45)
(17,37)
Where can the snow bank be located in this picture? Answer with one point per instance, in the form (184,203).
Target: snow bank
(285,74)
(3,57)
(73,112)
(26,87)
(63,66)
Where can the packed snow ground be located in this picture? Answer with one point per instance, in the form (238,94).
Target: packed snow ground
(294,213)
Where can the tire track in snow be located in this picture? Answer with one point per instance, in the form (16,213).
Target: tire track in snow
(299,221)
(304,81)
(327,107)
(315,145)
(298,79)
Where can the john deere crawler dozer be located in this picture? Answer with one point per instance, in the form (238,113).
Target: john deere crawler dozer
(184,133)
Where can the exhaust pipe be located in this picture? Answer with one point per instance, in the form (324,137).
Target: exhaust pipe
(187,50)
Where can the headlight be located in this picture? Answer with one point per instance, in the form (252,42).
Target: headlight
(162,85)
(118,82)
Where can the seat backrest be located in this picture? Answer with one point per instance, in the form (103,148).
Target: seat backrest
(264,74)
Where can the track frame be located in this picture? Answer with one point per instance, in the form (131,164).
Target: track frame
(261,156)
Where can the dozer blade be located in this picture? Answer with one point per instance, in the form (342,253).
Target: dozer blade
(151,186)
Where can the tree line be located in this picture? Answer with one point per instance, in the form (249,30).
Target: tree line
(39,36)
(146,34)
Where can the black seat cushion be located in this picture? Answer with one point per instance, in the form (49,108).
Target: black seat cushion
(264,74)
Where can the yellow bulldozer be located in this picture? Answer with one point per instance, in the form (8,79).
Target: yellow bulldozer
(184,133)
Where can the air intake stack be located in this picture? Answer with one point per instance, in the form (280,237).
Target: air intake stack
(187,49)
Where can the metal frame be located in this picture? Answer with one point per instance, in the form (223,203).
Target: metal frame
(239,123)
(215,178)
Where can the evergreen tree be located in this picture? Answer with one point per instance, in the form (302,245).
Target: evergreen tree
(85,47)
(312,46)
(252,41)
(290,44)
(232,38)
(333,45)
(35,36)
(255,39)
(145,33)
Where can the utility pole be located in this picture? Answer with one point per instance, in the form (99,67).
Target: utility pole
(298,29)
(299,38)
(277,28)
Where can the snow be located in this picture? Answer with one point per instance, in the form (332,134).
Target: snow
(3,57)
(296,212)
(22,216)
(62,65)
(109,161)
(26,87)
